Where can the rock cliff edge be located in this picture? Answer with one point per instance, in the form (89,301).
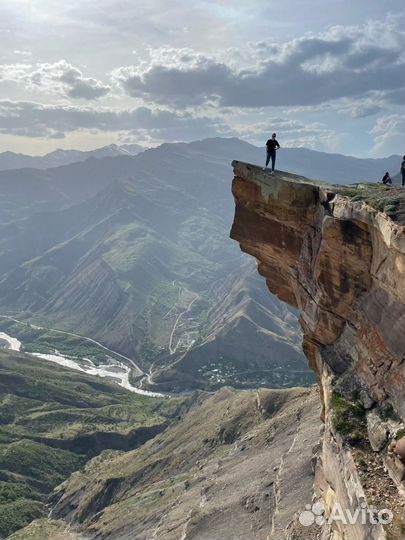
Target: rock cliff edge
(341,262)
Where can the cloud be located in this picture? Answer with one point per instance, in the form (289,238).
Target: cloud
(290,132)
(362,109)
(283,125)
(58,78)
(26,118)
(387,131)
(22,53)
(395,97)
(345,62)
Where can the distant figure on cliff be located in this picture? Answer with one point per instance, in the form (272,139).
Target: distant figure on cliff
(403,171)
(386,179)
(271,147)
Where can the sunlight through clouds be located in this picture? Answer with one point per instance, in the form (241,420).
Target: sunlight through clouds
(216,66)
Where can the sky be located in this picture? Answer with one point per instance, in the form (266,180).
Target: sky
(323,74)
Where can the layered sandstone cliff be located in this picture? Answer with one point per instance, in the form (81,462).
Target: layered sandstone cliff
(342,264)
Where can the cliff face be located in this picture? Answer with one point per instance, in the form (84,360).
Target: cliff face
(342,264)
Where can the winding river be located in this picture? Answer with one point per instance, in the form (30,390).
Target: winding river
(117,371)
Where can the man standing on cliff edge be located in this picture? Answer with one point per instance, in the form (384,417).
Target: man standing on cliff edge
(271,146)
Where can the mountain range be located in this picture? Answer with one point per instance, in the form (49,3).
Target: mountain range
(12,160)
(133,251)
(329,167)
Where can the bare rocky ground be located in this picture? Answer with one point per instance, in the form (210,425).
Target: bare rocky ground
(236,466)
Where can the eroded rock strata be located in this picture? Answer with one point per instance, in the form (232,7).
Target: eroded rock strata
(342,264)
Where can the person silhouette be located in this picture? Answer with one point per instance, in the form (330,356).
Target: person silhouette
(386,179)
(271,147)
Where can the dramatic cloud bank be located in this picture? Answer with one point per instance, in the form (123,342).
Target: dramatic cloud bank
(32,119)
(343,63)
(320,77)
(59,78)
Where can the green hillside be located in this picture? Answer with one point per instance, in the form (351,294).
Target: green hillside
(52,420)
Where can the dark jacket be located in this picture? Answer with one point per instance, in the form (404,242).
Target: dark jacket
(272,145)
(386,179)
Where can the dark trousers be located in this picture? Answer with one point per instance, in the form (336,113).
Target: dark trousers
(271,154)
(403,179)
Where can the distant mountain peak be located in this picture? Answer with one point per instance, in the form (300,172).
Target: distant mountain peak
(59,157)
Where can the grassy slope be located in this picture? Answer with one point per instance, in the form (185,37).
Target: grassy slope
(41,404)
(390,200)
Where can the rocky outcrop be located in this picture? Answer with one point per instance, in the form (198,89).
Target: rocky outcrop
(342,264)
